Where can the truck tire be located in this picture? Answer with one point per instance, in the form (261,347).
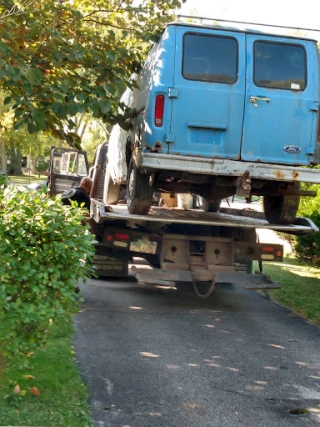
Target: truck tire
(281,209)
(209,206)
(111,191)
(139,191)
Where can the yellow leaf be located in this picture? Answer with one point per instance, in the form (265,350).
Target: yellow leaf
(28,377)
(16,390)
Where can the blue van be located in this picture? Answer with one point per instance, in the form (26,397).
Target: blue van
(221,111)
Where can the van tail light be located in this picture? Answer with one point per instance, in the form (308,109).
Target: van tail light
(319,127)
(158,111)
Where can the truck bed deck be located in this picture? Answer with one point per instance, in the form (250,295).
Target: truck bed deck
(226,217)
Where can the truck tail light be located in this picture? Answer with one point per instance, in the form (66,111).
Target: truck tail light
(122,236)
(158,110)
(268,249)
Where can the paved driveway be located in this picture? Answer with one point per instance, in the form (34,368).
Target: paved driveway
(162,358)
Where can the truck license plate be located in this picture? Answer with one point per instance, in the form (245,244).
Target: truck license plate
(143,246)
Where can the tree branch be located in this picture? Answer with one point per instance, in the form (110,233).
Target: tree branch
(109,25)
(15,10)
(119,10)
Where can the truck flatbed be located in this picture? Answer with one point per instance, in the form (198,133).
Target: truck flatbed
(226,217)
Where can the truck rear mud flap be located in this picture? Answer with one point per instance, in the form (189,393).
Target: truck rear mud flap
(169,278)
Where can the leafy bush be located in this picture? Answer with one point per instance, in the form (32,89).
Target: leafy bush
(42,256)
(3,179)
(307,247)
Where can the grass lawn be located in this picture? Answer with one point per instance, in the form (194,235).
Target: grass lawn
(300,287)
(62,399)
(25,179)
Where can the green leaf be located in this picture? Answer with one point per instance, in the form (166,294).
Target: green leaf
(105,106)
(64,85)
(72,109)
(34,76)
(7,100)
(5,50)
(101,92)
(39,119)
(15,73)
(31,128)
(111,55)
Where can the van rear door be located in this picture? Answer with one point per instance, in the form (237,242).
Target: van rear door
(280,113)
(208,93)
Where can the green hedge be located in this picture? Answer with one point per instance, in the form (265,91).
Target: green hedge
(44,251)
(307,248)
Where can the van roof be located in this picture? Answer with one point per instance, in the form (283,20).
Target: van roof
(240,30)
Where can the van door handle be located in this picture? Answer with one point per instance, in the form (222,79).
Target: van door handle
(254,99)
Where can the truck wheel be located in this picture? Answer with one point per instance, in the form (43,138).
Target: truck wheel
(111,191)
(209,206)
(281,209)
(139,191)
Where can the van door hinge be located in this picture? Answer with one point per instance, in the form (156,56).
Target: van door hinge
(169,138)
(173,93)
(314,106)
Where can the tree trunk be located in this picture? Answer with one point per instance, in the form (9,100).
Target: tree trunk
(15,157)
(3,157)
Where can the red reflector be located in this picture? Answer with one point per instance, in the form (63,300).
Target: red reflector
(158,110)
(279,253)
(267,249)
(109,237)
(121,236)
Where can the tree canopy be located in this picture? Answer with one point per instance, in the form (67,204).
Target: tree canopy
(60,58)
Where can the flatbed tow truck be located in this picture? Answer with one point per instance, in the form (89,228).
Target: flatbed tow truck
(187,245)
(179,245)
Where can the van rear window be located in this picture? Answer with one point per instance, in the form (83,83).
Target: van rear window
(280,66)
(210,58)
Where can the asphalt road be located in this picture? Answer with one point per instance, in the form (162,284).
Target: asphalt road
(157,358)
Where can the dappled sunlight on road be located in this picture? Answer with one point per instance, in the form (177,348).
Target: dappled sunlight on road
(254,387)
(232,369)
(302,363)
(151,355)
(277,346)
(173,367)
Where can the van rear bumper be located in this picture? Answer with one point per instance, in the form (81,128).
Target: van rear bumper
(206,166)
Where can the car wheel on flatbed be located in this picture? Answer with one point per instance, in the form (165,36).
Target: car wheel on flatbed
(139,191)
(111,193)
(281,209)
